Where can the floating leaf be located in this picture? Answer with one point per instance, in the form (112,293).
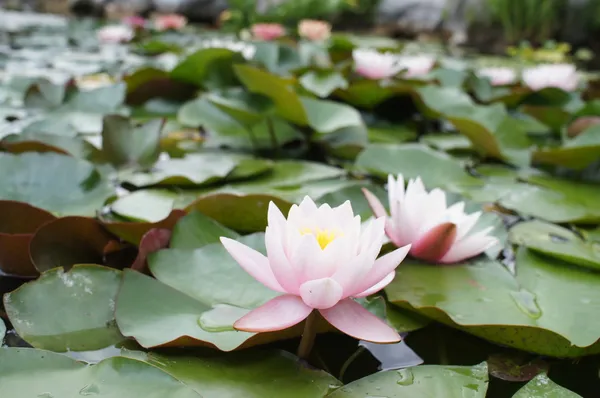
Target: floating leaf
(68,241)
(442,170)
(525,311)
(576,153)
(420,382)
(18,223)
(542,386)
(245,374)
(323,83)
(35,142)
(209,68)
(57,375)
(153,241)
(64,311)
(125,144)
(133,232)
(196,230)
(57,183)
(328,116)
(557,242)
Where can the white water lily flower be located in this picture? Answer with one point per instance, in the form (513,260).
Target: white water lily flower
(375,65)
(498,76)
(415,65)
(563,76)
(438,233)
(115,34)
(319,258)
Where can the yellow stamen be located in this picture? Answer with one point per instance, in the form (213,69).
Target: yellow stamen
(323,236)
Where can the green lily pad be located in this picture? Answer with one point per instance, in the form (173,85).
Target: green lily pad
(328,116)
(554,199)
(370,93)
(557,242)
(210,68)
(490,129)
(442,170)
(542,386)
(57,375)
(125,144)
(2,331)
(447,142)
(279,90)
(323,83)
(391,134)
(196,230)
(60,184)
(35,142)
(246,108)
(145,205)
(245,374)
(576,153)
(420,382)
(64,311)
(194,169)
(526,311)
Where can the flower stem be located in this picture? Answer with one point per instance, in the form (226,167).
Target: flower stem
(349,361)
(308,336)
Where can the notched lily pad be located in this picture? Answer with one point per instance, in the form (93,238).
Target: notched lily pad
(64,311)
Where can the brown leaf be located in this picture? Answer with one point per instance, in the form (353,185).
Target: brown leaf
(133,232)
(152,241)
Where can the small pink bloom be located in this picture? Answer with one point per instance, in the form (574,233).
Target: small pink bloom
(438,233)
(415,65)
(319,258)
(267,31)
(563,76)
(170,21)
(498,76)
(375,65)
(314,30)
(135,21)
(115,34)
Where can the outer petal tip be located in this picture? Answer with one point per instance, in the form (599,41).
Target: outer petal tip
(374,203)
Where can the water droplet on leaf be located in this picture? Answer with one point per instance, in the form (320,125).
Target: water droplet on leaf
(221,318)
(91,389)
(406,377)
(526,301)
(45,395)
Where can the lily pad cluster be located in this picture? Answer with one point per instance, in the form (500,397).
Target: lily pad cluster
(123,165)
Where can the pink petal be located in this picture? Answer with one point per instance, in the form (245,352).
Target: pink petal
(281,267)
(374,204)
(252,262)
(435,243)
(275,218)
(353,319)
(321,293)
(377,287)
(381,269)
(277,314)
(468,247)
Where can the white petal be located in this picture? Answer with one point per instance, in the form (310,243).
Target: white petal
(377,287)
(285,274)
(321,293)
(468,247)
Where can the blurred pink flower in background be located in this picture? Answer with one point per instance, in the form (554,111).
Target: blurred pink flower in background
(115,34)
(314,30)
(563,76)
(438,233)
(319,258)
(170,22)
(415,65)
(267,31)
(372,64)
(498,76)
(135,21)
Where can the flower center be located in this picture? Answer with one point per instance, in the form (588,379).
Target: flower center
(323,236)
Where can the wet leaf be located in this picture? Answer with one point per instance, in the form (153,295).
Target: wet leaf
(18,223)
(64,311)
(236,375)
(60,184)
(420,382)
(133,232)
(125,144)
(442,170)
(525,311)
(68,241)
(60,376)
(558,242)
(542,386)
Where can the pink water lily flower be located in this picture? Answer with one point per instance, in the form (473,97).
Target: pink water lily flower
(498,76)
(415,65)
(438,233)
(375,65)
(314,30)
(563,76)
(115,34)
(170,22)
(319,258)
(135,21)
(267,31)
